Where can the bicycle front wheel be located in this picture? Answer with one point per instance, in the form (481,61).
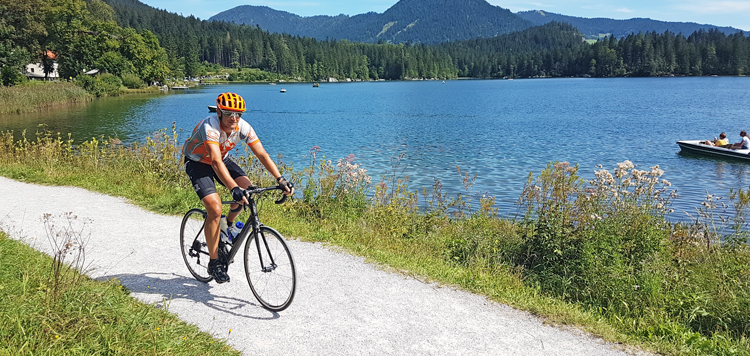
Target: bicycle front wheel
(269,268)
(193,244)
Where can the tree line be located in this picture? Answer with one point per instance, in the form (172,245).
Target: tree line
(126,38)
(80,36)
(557,50)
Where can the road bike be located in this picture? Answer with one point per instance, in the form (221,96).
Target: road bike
(269,266)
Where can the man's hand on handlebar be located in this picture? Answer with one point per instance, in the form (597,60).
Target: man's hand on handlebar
(239,195)
(287,185)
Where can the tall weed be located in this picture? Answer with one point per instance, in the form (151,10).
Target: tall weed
(36,95)
(599,242)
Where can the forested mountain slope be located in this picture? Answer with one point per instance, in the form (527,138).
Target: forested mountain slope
(415,21)
(437,21)
(190,42)
(553,50)
(596,27)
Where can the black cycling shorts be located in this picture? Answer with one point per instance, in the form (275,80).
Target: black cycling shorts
(202,175)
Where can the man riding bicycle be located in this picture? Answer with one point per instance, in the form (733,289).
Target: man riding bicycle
(206,159)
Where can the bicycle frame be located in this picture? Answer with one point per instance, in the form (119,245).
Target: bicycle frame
(253,226)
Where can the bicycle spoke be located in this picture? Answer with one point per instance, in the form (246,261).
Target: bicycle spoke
(273,287)
(193,244)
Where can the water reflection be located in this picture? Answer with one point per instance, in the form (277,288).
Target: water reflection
(122,117)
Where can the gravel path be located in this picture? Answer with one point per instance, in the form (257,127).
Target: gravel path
(343,306)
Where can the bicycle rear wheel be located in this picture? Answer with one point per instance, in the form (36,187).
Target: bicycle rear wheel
(269,268)
(193,244)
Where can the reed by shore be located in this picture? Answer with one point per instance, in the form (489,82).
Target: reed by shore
(33,96)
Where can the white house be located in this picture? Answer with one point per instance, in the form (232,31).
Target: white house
(36,70)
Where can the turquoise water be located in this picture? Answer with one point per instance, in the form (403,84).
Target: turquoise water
(497,129)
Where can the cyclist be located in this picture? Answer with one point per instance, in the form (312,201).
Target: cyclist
(206,159)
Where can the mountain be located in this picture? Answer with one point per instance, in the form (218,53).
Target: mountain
(597,27)
(415,21)
(437,21)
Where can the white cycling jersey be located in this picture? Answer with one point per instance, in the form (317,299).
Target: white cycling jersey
(208,132)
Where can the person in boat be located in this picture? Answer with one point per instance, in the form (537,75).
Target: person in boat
(718,142)
(744,144)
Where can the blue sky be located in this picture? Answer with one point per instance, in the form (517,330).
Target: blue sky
(734,13)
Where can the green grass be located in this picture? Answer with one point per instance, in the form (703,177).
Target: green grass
(608,264)
(38,95)
(74,315)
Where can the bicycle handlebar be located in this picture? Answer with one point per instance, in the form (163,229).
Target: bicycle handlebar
(257,190)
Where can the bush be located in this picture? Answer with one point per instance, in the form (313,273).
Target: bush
(132,81)
(600,244)
(113,62)
(101,85)
(10,76)
(251,75)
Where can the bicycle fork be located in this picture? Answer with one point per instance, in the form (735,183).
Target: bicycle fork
(254,229)
(272,266)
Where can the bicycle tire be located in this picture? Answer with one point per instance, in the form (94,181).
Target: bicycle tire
(274,288)
(193,244)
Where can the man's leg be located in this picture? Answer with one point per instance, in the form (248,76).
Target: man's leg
(201,176)
(216,268)
(212,202)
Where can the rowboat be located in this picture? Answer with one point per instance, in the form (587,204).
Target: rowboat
(212,108)
(697,148)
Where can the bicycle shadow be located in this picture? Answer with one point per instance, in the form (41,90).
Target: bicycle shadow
(171,286)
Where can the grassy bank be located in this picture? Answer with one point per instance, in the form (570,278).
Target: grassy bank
(48,309)
(39,95)
(599,254)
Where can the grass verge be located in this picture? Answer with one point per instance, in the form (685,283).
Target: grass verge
(597,255)
(43,312)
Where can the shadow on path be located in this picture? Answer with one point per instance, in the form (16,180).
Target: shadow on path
(171,286)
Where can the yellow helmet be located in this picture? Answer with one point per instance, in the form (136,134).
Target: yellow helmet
(230,102)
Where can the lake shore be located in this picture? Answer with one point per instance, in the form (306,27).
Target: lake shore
(35,96)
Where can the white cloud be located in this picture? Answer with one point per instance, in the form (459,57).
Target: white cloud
(624,10)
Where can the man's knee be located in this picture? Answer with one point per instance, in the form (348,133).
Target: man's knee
(213,206)
(243,182)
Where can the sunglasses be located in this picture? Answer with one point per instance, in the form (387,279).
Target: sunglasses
(235,115)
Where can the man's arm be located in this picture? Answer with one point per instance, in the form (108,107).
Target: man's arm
(217,163)
(265,159)
(267,162)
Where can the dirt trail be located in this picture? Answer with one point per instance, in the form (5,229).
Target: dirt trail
(343,305)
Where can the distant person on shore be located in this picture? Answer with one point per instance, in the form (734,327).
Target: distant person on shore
(718,142)
(744,144)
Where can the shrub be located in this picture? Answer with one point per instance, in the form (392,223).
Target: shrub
(599,243)
(10,76)
(101,85)
(132,81)
(114,62)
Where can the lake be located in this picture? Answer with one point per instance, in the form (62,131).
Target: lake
(499,130)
